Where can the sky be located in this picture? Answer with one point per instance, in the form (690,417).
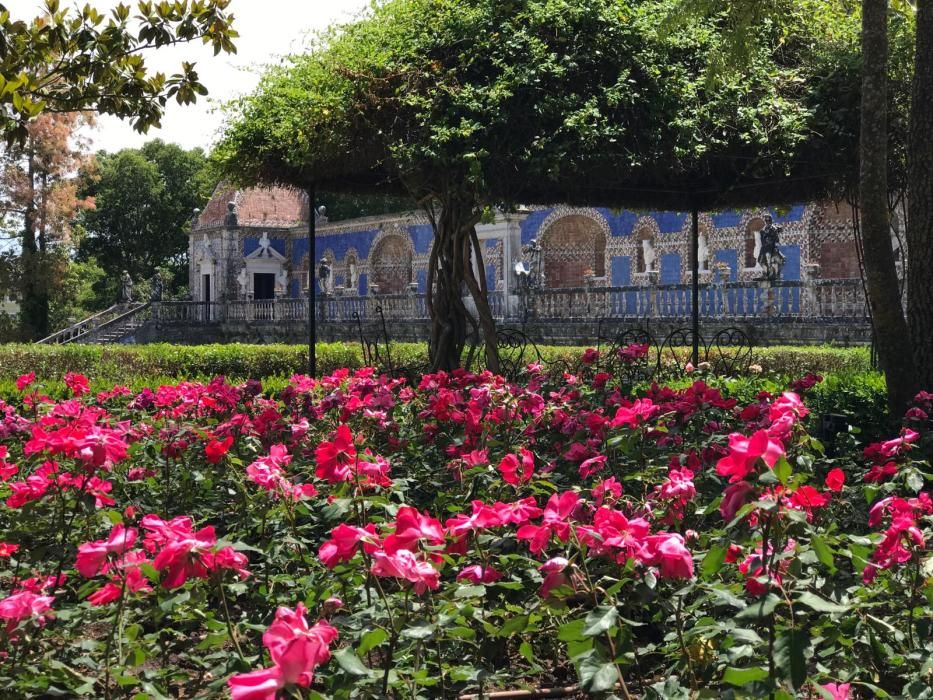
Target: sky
(269,29)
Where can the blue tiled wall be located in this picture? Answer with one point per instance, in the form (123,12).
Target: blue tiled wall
(670,268)
(421,236)
(422,277)
(491,278)
(621,271)
(340,243)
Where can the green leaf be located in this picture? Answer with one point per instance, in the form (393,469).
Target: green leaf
(599,619)
(761,608)
(823,552)
(419,631)
(783,470)
(713,561)
(350,662)
(790,649)
(513,625)
(596,675)
(470,592)
(815,602)
(571,631)
(741,676)
(527,652)
(173,602)
(371,640)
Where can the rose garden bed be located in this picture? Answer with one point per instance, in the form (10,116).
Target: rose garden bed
(355,536)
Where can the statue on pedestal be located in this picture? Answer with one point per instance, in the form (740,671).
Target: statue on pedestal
(155,293)
(126,288)
(770,258)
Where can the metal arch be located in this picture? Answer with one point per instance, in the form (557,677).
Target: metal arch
(730,363)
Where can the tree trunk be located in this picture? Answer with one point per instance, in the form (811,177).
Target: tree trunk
(449,270)
(920,201)
(890,327)
(34,304)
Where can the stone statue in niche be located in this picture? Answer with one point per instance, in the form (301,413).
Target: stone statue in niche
(242,279)
(325,278)
(281,282)
(648,256)
(770,258)
(351,274)
(230,219)
(702,253)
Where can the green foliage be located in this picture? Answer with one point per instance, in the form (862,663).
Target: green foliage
(71,60)
(622,103)
(259,361)
(144,201)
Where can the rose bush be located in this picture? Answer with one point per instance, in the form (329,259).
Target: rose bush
(355,536)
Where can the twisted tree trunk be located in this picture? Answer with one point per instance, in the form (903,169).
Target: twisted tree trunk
(920,200)
(450,269)
(890,327)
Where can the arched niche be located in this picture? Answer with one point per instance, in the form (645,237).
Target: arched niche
(574,247)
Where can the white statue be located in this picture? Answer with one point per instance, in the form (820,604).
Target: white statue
(647,251)
(702,253)
(281,282)
(243,280)
(757,252)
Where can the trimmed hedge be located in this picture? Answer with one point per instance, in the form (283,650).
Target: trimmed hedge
(125,362)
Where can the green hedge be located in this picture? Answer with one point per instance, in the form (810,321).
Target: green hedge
(125,362)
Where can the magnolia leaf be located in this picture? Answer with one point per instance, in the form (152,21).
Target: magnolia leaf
(350,662)
(599,620)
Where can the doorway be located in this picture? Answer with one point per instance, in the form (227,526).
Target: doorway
(206,296)
(263,286)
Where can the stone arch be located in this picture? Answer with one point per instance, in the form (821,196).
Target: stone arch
(752,224)
(391,263)
(646,229)
(574,247)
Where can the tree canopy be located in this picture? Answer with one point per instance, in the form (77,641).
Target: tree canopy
(69,60)
(606,102)
(143,206)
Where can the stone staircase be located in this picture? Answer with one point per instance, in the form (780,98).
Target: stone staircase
(111,325)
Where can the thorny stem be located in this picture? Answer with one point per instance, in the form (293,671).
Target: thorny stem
(612,647)
(683,646)
(231,630)
(118,616)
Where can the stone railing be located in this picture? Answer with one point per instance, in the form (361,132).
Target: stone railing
(93,326)
(840,300)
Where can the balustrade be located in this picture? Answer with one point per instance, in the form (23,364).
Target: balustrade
(842,300)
